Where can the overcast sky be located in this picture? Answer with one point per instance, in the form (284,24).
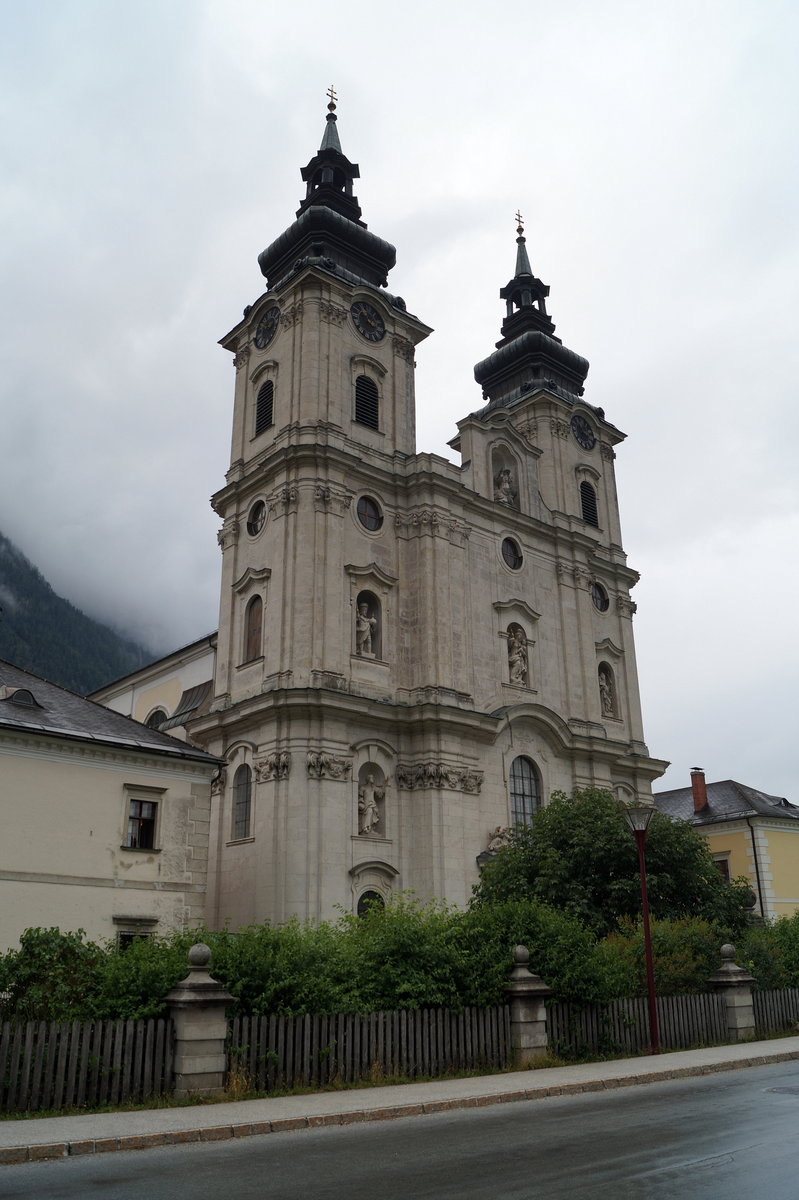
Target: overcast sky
(151,150)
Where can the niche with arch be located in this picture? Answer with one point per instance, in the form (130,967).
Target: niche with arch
(504,476)
(608,698)
(371,801)
(253,629)
(518,660)
(368,626)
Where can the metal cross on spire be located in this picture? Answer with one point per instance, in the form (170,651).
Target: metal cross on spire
(519,223)
(331,92)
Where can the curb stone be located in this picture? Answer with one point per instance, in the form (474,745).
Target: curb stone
(14,1155)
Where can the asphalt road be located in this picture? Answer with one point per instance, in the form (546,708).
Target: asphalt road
(731,1135)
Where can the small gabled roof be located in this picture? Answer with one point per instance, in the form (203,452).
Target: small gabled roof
(57,712)
(726,801)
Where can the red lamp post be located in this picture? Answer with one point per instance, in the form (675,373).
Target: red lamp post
(638,817)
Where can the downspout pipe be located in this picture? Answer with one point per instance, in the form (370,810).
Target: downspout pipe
(757,868)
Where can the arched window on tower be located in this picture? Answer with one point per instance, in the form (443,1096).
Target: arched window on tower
(156,719)
(264,407)
(525,793)
(253,628)
(242,802)
(588,503)
(367,402)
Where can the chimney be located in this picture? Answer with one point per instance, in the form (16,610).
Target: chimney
(698,788)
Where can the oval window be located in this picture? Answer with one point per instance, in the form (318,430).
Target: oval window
(511,554)
(370,514)
(256,518)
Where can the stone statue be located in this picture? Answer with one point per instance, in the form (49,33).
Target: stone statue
(606,692)
(517,655)
(369,798)
(499,839)
(504,491)
(364,628)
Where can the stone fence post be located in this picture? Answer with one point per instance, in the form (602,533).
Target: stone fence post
(528,1014)
(735,985)
(197,1006)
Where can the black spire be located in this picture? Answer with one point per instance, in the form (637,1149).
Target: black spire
(329,231)
(528,356)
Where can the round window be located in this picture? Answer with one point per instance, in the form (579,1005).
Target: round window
(369,513)
(256,518)
(511,554)
(600,597)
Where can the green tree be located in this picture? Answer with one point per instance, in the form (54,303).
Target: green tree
(579,856)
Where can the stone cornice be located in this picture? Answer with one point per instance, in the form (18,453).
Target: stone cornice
(125,884)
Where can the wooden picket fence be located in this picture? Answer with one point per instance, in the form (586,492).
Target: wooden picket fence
(273,1052)
(623,1025)
(776,1009)
(50,1064)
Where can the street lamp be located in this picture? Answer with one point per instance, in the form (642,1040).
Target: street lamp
(638,816)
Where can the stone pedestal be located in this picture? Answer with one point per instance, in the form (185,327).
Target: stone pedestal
(198,1007)
(735,985)
(528,1015)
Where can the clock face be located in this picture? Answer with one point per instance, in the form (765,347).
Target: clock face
(583,432)
(267,327)
(367,321)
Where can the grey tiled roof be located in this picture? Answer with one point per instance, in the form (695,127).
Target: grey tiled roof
(726,801)
(61,713)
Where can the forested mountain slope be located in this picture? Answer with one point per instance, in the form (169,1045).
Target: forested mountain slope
(43,633)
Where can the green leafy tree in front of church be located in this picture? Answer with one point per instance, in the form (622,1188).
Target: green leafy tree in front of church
(579,856)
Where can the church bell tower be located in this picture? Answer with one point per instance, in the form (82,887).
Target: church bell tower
(411,652)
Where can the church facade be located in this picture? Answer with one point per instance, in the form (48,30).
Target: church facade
(412,655)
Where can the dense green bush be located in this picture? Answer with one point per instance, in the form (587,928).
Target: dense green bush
(684,953)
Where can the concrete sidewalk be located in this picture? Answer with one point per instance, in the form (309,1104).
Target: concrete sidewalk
(96,1133)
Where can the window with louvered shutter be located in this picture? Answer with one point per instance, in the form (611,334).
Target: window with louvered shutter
(367,402)
(588,504)
(263,407)
(253,622)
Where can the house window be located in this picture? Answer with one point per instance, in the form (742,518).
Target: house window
(253,623)
(524,791)
(588,503)
(242,802)
(367,402)
(511,554)
(264,405)
(723,865)
(141,824)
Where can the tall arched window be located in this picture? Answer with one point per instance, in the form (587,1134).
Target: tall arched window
(588,503)
(525,794)
(367,402)
(253,629)
(242,802)
(264,405)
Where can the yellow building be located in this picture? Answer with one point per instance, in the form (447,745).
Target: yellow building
(749,833)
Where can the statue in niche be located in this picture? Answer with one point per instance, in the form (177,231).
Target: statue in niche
(504,489)
(369,798)
(364,628)
(606,692)
(517,655)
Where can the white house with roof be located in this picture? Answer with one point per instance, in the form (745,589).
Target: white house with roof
(105,821)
